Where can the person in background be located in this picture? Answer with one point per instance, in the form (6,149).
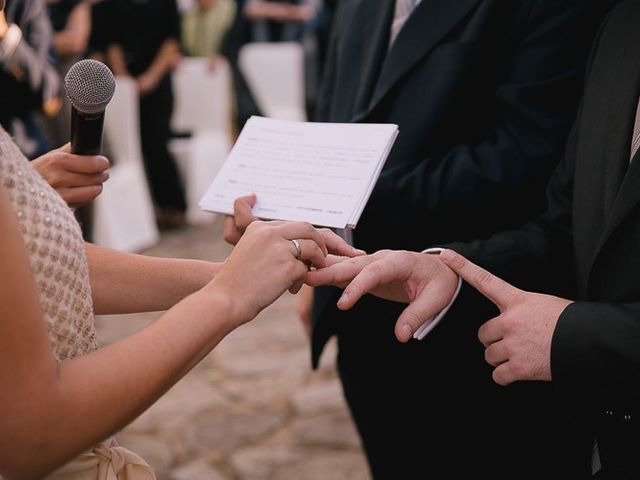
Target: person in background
(281,20)
(205,27)
(29,81)
(71,22)
(275,21)
(140,39)
(292,21)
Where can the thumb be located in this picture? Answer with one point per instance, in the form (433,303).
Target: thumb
(242,211)
(423,309)
(251,199)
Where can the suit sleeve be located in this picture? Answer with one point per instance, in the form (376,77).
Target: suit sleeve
(539,255)
(595,360)
(535,106)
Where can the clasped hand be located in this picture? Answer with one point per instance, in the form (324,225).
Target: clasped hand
(271,257)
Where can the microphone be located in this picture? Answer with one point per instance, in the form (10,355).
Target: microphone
(89,85)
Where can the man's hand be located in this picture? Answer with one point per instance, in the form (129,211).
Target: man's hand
(419,279)
(78,179)
(518,341)
(236,224)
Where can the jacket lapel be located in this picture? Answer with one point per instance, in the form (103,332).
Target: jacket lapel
(370,35)
(430,22)
(622,188)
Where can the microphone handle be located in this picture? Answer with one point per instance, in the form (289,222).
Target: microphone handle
(86,132)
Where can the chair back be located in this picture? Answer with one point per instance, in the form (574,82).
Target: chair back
(274,73)
(123,214)
(202,96)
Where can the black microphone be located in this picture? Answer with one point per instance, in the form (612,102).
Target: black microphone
(90,86)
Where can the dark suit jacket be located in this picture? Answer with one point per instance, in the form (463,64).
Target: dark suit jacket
(592,232)
(484,93)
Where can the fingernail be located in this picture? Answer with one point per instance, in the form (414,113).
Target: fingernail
(406,331)
(361,252)
(343,299)
(446,255)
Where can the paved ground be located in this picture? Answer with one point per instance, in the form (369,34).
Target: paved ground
(251,410)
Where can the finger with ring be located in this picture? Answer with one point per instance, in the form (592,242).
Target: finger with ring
(296,244)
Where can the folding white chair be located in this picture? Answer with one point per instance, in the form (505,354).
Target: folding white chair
(274,73)
(202,108)
(124,217)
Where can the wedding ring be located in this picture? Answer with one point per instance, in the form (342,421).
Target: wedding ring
(298,250)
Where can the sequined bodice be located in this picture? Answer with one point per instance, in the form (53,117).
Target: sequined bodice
(56,253)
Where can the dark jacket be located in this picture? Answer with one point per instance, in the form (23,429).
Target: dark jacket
(591,232)
(484,93)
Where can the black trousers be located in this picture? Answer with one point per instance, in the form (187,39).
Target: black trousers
(155,116)
(431,406)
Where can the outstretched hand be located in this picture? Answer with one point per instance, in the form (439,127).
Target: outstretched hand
(419,279)
(518,341)
(78,179)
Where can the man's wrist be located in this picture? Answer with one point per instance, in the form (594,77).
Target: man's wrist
(429,325)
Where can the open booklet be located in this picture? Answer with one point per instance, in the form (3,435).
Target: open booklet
(322,173)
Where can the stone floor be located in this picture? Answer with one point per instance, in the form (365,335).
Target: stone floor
(253,409)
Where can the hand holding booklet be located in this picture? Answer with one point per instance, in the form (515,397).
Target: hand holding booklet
(322,173)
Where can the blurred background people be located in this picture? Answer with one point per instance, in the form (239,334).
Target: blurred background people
(28,78)
(141,39)
(205,27)
(303,21)
(281,20)
(71,22)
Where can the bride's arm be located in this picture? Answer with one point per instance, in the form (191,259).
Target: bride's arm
(50,413)
(129,283)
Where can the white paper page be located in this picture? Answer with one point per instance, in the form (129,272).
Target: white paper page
(372,183)
(315,172)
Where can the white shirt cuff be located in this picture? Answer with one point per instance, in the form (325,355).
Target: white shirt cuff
(427,326)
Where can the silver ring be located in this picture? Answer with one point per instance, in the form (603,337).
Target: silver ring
(298,250)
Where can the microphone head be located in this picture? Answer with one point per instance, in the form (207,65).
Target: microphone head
(90,86)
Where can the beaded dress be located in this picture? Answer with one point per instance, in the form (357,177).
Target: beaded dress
(56,254)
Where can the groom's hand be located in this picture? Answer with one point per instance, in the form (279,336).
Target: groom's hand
(518,341)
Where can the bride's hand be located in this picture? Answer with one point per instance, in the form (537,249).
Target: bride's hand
(266,262)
